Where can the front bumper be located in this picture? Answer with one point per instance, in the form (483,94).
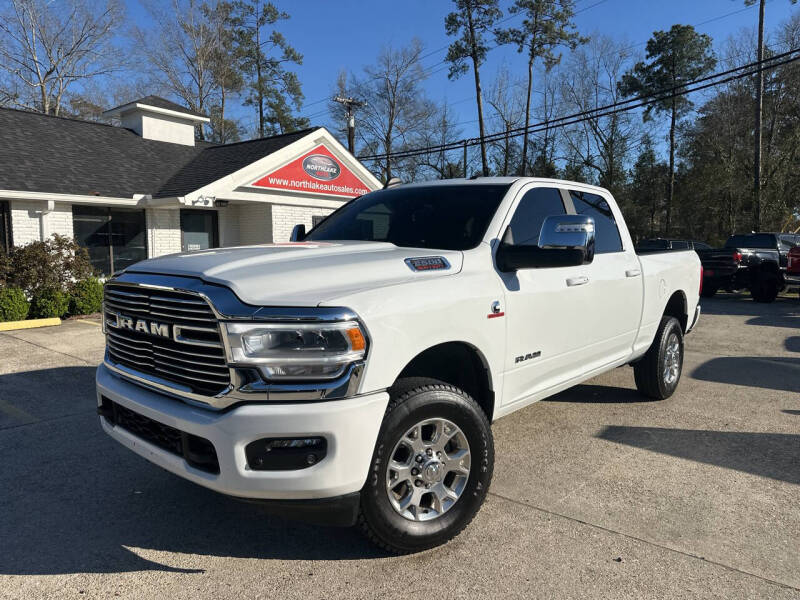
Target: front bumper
(350,427)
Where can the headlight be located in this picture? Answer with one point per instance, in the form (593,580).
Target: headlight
(296,350)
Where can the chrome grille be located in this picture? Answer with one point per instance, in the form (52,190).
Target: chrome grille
(188,351)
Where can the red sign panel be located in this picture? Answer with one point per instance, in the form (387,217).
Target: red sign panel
(317,171)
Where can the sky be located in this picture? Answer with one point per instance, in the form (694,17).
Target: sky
(349,34)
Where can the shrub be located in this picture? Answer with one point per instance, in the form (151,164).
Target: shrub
(87,297)
(13,304)
(55,264)
(48,303)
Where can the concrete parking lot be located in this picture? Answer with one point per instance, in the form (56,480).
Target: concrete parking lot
(596,493)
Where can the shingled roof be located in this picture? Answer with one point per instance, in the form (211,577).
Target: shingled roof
(215,162)
(42,153)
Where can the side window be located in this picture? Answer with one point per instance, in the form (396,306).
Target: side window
(607,237)
(788,241)
(533,208)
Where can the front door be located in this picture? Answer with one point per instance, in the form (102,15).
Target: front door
(548,310)
(199,229)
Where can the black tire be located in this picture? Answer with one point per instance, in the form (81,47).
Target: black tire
(708,291)
(765,289)
(412,401)
(649,371)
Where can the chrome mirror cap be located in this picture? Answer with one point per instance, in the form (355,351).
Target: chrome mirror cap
(574,232)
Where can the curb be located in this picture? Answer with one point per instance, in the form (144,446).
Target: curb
(29,324)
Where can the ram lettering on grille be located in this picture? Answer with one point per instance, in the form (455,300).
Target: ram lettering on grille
(167,334)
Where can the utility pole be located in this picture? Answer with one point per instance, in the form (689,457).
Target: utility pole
(759,110)
(350,104)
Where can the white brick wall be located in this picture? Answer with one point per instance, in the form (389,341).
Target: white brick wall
(163,231)
(255,223)
(28,224)
(285,217)
(229,225)
(59,221)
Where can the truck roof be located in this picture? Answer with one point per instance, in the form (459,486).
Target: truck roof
(503,180)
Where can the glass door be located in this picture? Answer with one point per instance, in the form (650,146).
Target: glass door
(199,229)
(114,237)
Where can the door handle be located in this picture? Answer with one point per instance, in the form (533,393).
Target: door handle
(573,281)
(633,272)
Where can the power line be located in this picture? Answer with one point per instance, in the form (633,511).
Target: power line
(609,109)
(443,61)
(435,68)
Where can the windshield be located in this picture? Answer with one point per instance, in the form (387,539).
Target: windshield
(444,217)
(752,240)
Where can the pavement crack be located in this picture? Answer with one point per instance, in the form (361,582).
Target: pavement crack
(83,360)
(48,420)
(644,541)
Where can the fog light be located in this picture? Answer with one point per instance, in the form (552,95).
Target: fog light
(285,454)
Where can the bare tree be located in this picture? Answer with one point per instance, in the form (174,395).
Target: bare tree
(396,112)
(508,110)
(50,49)
(440,129)
(590,81)
(225,70)
(182,51)
(548,24)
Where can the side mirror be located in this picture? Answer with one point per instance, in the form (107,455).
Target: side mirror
(574,232)
(298,233)
(564,241)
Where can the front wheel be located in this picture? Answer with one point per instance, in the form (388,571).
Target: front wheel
(658,372)
(431,468)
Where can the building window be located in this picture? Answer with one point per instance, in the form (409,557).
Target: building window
(199,229)
(5,228)
(316,220)
(115,237)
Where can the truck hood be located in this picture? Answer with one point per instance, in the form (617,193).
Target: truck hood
(301,273)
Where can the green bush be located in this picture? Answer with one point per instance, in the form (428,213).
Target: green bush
(13,304)
(54,264)
(48,303)
(87,297)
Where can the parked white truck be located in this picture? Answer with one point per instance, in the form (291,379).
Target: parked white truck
(352,377)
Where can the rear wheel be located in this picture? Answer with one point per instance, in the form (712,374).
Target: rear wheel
(658,372)
(431,467)
(765,288)
(708,291)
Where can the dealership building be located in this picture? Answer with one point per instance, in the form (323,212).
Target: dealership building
(147,187)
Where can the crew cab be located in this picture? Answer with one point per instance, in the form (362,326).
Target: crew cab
(753,261)
(352,376)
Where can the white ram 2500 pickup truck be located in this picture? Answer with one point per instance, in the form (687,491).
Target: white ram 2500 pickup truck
(352,377)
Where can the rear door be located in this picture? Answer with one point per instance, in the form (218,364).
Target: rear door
(615,280)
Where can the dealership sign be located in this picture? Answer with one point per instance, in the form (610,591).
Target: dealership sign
(317,171)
